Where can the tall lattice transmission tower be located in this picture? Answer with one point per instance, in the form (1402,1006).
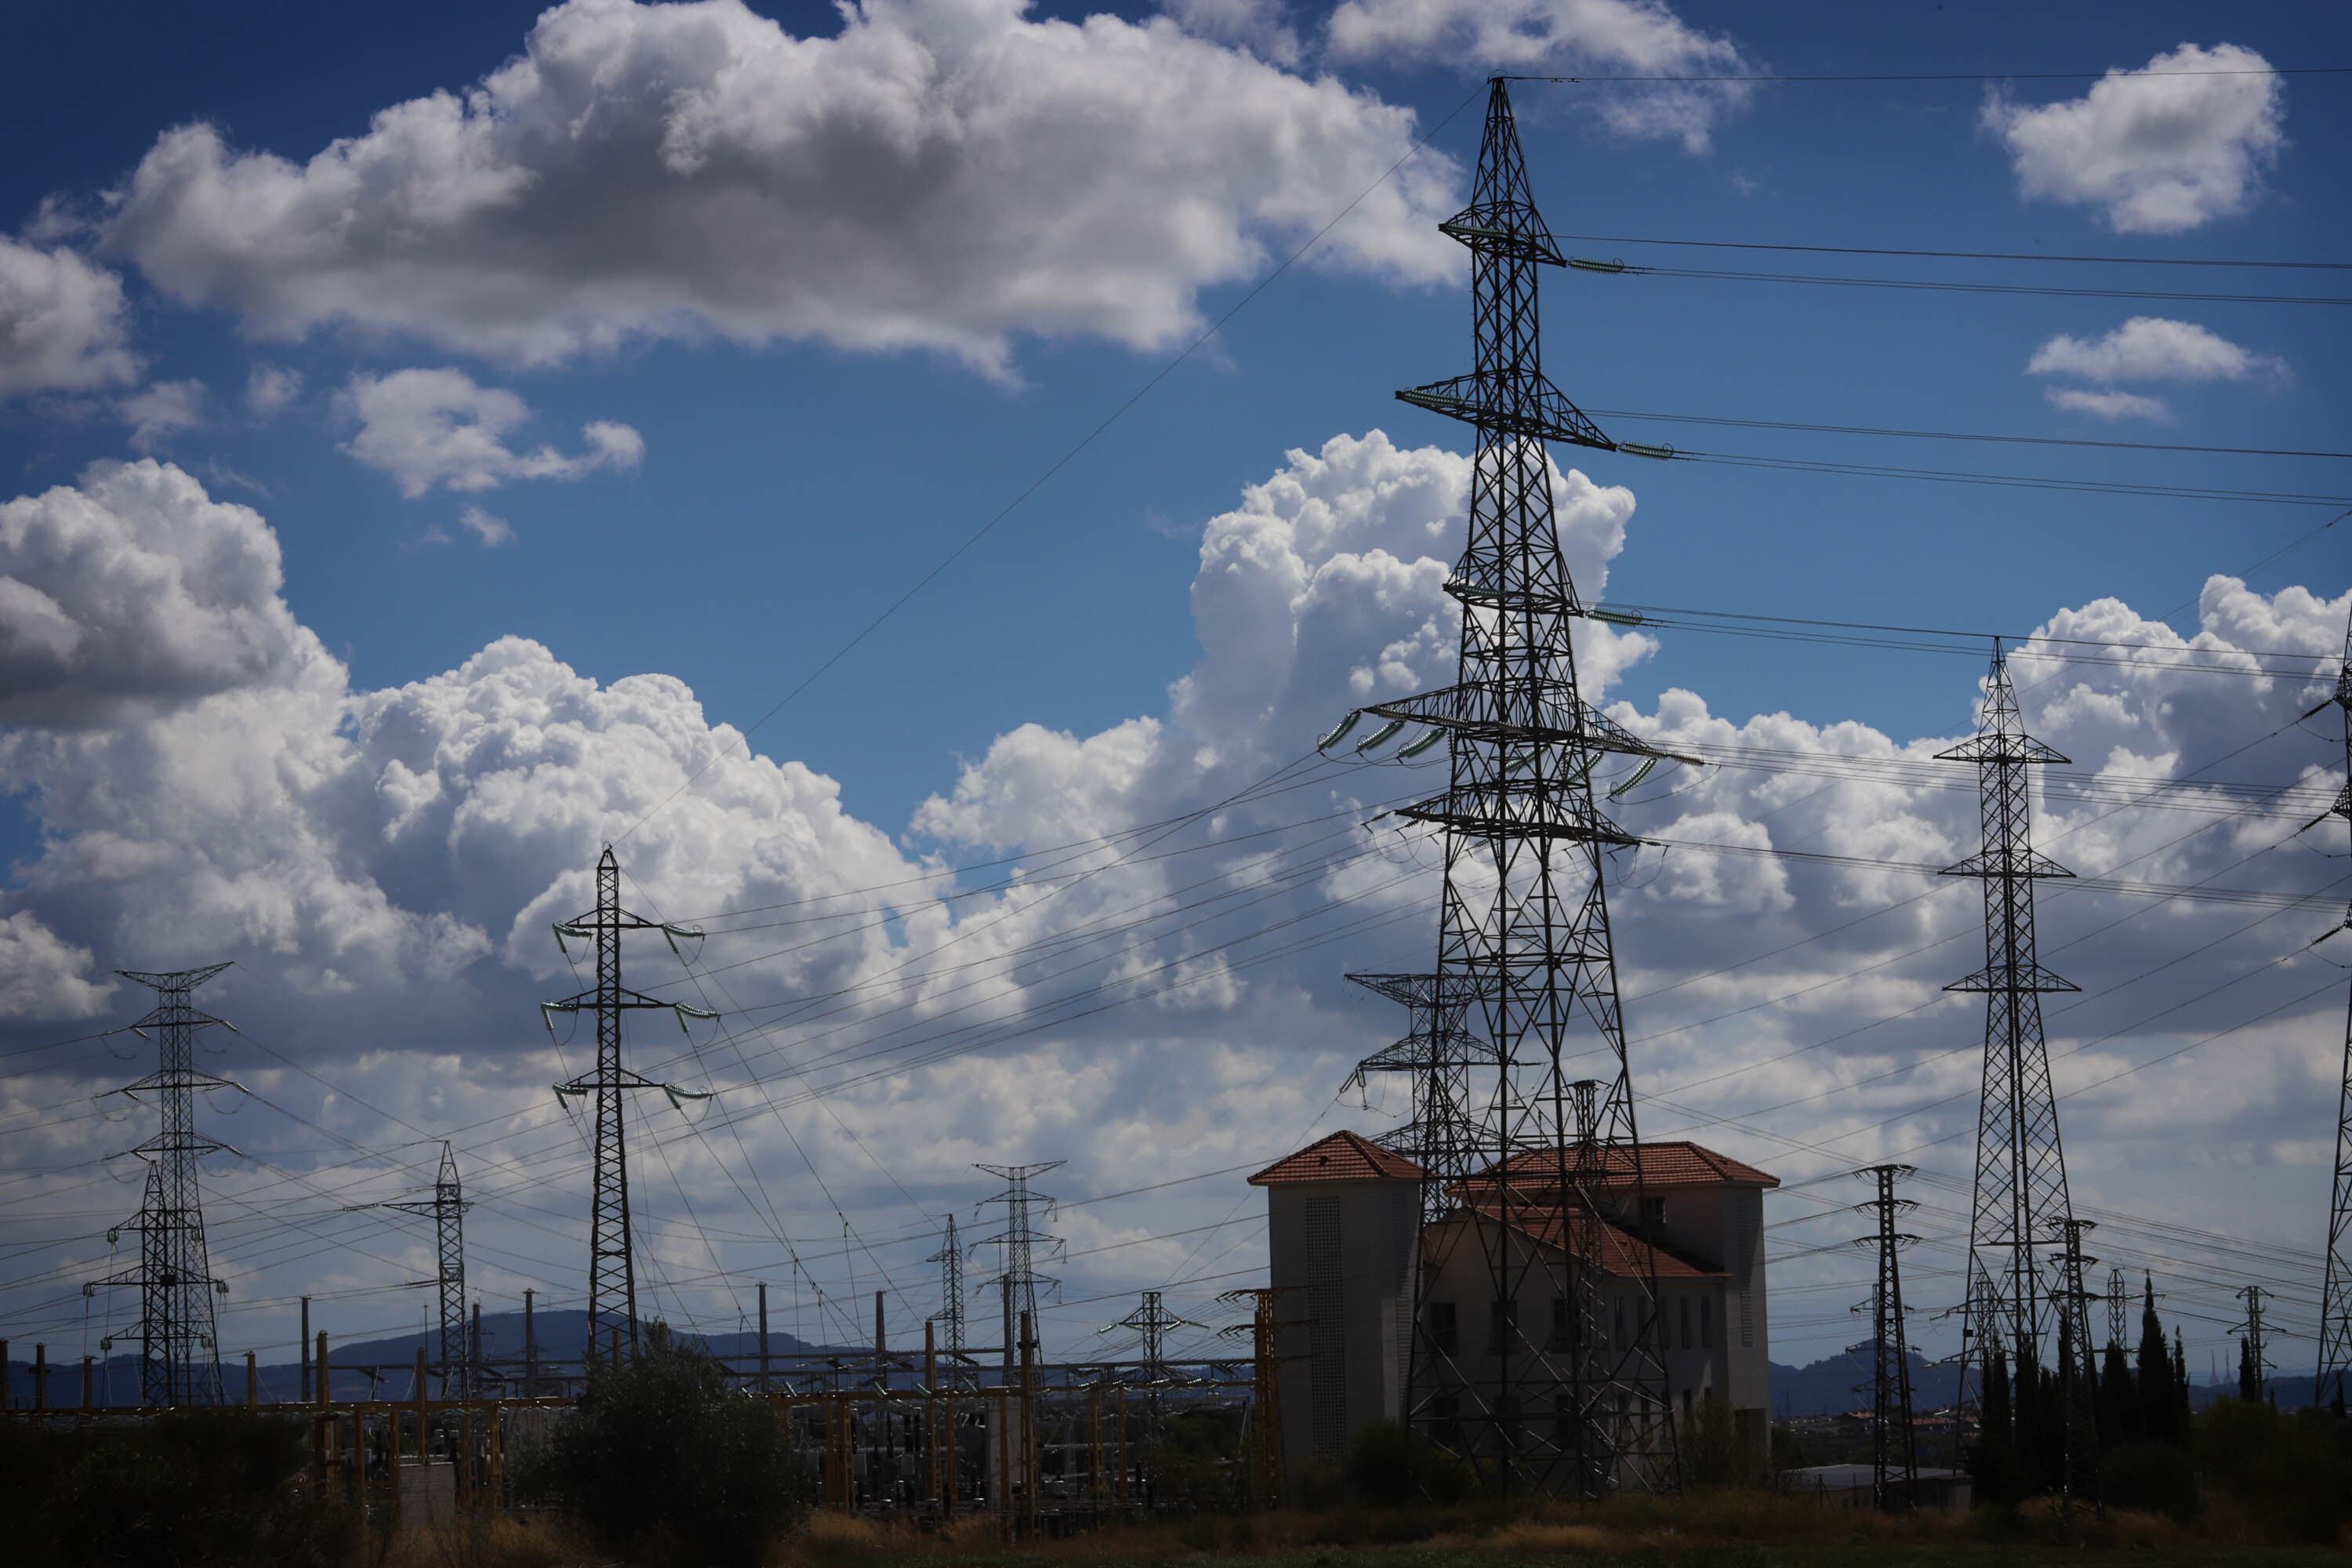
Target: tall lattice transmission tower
(949,1258)
(612,1268)
(1893,1442)
(2336,1285)
(179,1360)
(1526,978)
(457,1367)
(1019,1246)
(2021,1209)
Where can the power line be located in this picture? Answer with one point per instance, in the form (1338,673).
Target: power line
(2086,442)
(1958,255)
(1951,286)
(1936,76)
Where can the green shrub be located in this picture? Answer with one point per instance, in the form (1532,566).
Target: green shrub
(2295,1469)
(2154,1477)
(663,1461)
(190,1487)
(1388,1464)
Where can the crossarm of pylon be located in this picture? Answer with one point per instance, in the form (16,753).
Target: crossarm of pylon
(1484,810)
(1995,862)
(1512,403)
(2026,977)
(1997,748)
(1567,718)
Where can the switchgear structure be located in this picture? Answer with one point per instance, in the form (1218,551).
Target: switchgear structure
(2335,1284)
(1525,976)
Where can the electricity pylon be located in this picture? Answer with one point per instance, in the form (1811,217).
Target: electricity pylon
(2078,1370)
(2021,1206)
(1150,1322)
(2336,1285)
(1434,1055)
(179,1362)
(949,1258)
(1525,977)
(1894,1443)
(1018,1247)
(2255,1333)
(612,1270)
(446,1209)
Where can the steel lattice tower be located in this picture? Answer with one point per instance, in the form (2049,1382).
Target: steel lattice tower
(2256,1332)
(2336,1285)
(612,1270)
(2078,1369)
(1525,977)
(949,1258)
(1894,1443)
(2021,1207)
(179,1362)
(446,1209)
(1435,1054)
(2117,1304)
(1018,1247)
(1150,1322)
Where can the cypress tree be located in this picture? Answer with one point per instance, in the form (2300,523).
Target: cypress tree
(2118,1401)
(2185,1408)
(2029,1423)
(2159,1401)
(2250,1382)
(1995,1466)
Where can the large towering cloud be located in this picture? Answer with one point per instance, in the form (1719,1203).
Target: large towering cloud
(64,326)
(1136,992)
(946,175)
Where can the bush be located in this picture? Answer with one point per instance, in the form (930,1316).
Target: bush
(2154,1477)
(663,1461)
(1388,1464)
(192,1487)
(2295,1469)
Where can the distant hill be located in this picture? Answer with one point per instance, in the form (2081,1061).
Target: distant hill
(1842,1383)
(560,1333)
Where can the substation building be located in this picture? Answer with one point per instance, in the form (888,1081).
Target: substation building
(1344,1217)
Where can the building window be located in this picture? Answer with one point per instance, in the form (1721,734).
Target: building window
(1617,1322)
(1441,1327)
(1507,1422)
(1686,1407)
(1681,1304)
(1445,1420)
(1653,1215)
(1563,1418)
(1705,1323)
(1502,1325)
(1563,1322)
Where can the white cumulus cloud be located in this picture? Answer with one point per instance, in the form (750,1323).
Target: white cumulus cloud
(2161,150)
(270,390)
(157,412)
(1624,38)
(2109,405)
(64,326)
(942,174)
(133,590)
(429,427)
(2152,348)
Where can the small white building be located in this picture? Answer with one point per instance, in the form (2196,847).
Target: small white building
(1342,1217)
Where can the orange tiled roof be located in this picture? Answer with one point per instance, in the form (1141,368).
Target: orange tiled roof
(1342,1157)
(1678,1163)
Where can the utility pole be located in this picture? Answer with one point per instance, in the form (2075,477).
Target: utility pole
(612,1270)
(530,1345)
(763,1336)
(2021,1206)
(2335,1285)
(1524,945)
(1894,1444)
(446,1209)
(180,1362)
(949,1258)
(1018,1247)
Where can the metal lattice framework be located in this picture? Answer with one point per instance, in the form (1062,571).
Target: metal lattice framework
(1150,1322)
(949,1258)
(458,1366)
(1018,1247)
(2021,1206)
(612,1268)
(179,1362)
(1893,1441)
(1525,977)
(2078,1370)
(2336,1285)
(2256,1332)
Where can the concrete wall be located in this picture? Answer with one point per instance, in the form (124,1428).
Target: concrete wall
(1342,1265)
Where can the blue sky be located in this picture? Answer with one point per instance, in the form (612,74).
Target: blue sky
(785,483)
